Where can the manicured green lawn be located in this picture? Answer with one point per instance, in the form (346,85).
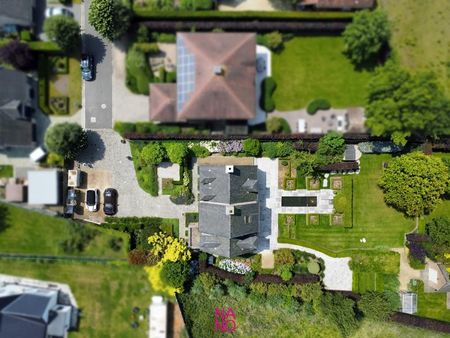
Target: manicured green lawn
(431,305)
(106,294)
(146,175)
(29,232)
(6,170)
(421,38)
(314,67)
(383,227)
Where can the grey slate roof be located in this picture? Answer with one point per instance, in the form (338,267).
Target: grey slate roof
(228,210)
(17,12)
(24,316)
(15,127)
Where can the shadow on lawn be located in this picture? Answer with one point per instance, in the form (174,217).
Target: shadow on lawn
(3,218)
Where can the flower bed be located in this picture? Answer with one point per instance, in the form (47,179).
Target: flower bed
(235,267)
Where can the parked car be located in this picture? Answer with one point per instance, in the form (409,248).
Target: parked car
(53,11)
(110,201)
(87,67)
(92,197)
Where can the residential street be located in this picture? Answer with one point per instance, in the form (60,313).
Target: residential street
(97,94)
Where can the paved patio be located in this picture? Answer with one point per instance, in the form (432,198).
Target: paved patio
(342,120)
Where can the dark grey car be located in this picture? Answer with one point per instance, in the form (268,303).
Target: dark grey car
(87,67)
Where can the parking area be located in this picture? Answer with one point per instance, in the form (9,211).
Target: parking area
(92,179)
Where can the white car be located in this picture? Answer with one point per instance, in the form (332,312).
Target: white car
(92,197)
(53,11)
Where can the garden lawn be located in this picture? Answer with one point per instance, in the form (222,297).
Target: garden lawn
(421,39)
(29,232)
(383,227)
(68,85)
(6,171)
(106,294)
(266,321)
(147,176)
(431,305)
(314,67)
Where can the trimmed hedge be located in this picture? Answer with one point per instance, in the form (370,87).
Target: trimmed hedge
(44,46)
(145,128)
(142,13)
(138,71)
(424,323)
(310,26)
(317,104)
(268,86)
(43,85)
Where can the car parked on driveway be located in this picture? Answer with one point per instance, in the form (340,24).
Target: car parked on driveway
(92,198)
(110,201)
(87,67)
(53,11)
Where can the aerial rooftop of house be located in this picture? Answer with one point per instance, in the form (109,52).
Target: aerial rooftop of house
(16,130)
(16,13)
(339,4)
(215,79)
(228,209)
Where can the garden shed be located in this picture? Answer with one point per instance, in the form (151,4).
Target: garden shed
(409,302)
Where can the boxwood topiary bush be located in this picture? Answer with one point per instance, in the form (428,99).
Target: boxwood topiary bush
(268,86)
(340,203)
(317,104)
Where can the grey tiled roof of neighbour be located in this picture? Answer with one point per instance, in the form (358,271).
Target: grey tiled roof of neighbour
(15,127)
(339,4)
(216,75)
(228,209)
(19,12)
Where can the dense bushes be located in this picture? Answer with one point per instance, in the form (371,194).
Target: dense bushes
(138,71)
(273,41)
(375,305)
(175,274)
(317,104)
(268,86)
(145,128)
(199,151)
(153,153)
(194,5)
(18,55)
(277,125)
(340,203)
(438,230)
(276,149)
(252,147)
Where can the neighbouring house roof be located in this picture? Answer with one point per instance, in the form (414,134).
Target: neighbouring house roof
(17,12)
(340,4)
(14,192)
(228,209)
(15,127)
(216,74)
(437,277)
(24,316)
(44,187)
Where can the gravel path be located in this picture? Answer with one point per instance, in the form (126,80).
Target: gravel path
(406,271)
(338,275)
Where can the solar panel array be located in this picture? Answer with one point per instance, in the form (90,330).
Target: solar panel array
(185,73)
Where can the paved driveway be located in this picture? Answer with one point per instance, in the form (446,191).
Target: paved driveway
(107,152)
(97,94)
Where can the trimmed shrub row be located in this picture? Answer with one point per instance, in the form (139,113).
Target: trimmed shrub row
(335,27)
(145,128)
(424,323)
(268,86)
(142,13)
(43,85)
(317,104)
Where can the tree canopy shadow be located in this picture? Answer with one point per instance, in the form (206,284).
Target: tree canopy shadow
(94,46)
(3,218)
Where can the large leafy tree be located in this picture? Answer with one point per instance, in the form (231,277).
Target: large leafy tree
(18,55)
(63,30)
(110,18)
(66,139)
(438,230)
(414,183)
(341,311)
(331,149)
(401,104)
(366,36)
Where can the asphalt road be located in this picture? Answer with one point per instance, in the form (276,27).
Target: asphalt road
(97,94)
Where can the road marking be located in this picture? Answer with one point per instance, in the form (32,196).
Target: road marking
(93,119)
(103,106)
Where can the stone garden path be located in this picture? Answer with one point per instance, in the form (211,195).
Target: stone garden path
(406,271)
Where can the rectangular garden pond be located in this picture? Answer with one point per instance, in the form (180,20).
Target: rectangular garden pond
(299,201)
